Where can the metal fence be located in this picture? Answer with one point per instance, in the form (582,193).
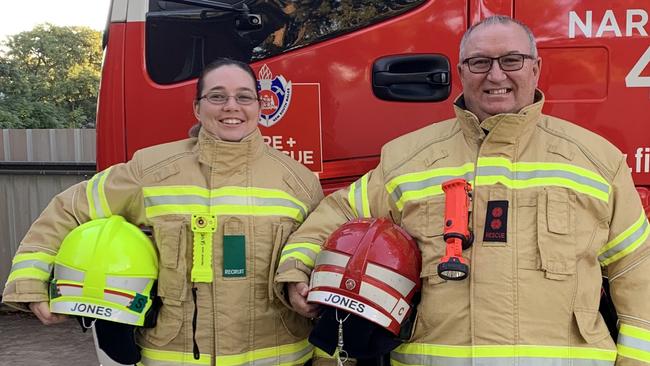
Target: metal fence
(35,165)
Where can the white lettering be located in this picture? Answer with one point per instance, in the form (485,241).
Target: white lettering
(634,79)
(635,23)
(631,24)
(609,24)
(642,160)
(303,156)
(585,26)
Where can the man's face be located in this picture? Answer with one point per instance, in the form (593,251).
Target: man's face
(498,91)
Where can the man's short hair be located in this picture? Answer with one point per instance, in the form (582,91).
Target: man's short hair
(498,19)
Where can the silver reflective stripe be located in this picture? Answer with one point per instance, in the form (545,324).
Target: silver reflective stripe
(150,362)
(629,341)
(358,199)
(378,296)
(85,309)
(176,200)
(97,202)
(128,283)
(117,299)
(282,360)
(625,243)
(487,171)
(430,182)
(325,278)
(67,290)
(62,272)
(306,251)
(152,201)
(394,279)
(331,258)
(32,263)
(426,360)
(342,302)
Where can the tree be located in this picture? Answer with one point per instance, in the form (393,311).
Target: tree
(49,78)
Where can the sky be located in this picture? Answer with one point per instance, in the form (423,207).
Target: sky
(22,15)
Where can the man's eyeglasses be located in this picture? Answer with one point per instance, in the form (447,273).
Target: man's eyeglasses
(220,98)
(510,62)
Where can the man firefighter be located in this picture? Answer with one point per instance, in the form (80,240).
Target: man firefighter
(553,207)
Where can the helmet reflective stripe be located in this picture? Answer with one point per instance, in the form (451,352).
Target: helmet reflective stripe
(325,278)
(395,280)
(332,258)
(95,310)
(66,289)
(126,283)
(64,273)
(340,301)
(378,296)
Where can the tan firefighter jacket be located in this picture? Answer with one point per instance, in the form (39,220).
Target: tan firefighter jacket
(257,196)
(568,212)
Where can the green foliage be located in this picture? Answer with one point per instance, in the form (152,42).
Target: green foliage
(49,78)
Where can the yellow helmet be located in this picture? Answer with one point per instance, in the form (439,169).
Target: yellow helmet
(105,269)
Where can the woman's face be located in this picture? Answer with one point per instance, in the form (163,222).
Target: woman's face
(228,109)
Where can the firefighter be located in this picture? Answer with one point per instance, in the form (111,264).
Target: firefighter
(220,205)
(553,207)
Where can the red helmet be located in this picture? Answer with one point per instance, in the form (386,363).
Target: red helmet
(370,268)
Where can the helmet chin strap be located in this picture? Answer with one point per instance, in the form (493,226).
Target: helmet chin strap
(92,323)
(341,355)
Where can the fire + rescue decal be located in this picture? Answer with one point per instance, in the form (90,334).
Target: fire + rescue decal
(275,96)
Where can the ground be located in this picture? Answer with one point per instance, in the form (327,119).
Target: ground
(25,341)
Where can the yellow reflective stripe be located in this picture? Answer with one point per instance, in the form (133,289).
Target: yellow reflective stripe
(304,252)
(222,201)
(419,185)
(288,354)
(634,342)
(626,242)
(224,191)
(95,194)
(407,354)
(358,197)
(154,357)
(535,174)
(35,265)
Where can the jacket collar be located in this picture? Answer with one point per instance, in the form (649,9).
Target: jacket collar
(507,128)
(226,154)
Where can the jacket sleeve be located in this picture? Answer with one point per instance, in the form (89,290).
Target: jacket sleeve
(108,192)
(626,256)
(366,197)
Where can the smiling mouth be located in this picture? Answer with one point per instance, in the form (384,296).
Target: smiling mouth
(501,91)
(231,121)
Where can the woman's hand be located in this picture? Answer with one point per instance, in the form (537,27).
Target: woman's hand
(42,312)
(298,298)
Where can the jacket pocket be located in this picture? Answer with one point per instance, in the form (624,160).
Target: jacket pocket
(171,240)
(591,325)
(555,233)
(168,325)
(281,232)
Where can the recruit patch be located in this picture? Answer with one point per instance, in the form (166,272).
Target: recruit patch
(496,222)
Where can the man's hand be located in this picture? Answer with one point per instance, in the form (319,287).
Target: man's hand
(298,298)
(42,312)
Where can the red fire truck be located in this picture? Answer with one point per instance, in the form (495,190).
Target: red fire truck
(338,78)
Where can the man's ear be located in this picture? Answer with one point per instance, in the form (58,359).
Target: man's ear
(537,69)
